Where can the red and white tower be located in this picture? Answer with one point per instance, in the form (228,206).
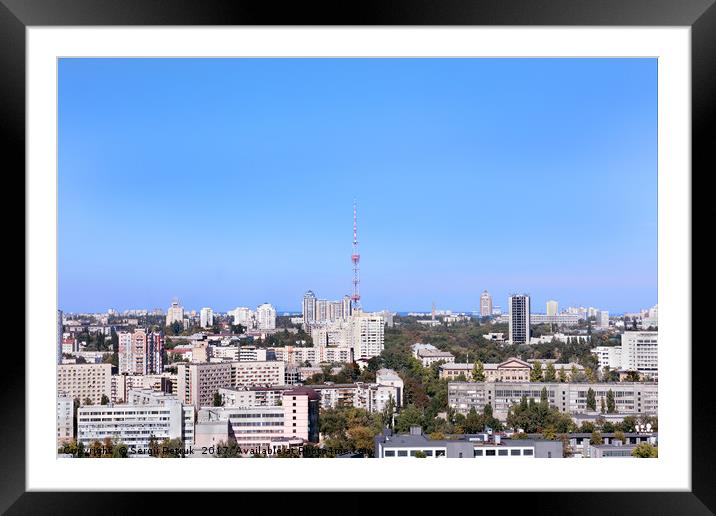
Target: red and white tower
(355,258)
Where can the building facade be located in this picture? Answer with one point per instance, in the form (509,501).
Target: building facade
(519,319)
(485,304)
(85,381)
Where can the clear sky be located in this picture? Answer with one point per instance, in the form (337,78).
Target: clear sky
(230,182)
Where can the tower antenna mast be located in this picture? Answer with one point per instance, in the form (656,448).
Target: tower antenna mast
(355,258)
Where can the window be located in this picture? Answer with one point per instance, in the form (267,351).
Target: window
(389,453)
(428,453)
(402,453)
(514,452)
(490,453)
(413,452)
(478,453)
(502,452)
(527,452)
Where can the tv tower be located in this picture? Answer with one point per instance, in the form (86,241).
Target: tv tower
(355,258)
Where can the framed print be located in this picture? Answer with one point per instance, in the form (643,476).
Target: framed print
(417,231)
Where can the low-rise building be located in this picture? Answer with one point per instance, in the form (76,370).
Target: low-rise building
(479,446)
(570,398)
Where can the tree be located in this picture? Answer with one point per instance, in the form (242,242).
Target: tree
(574,374)
(361,438)
(632,376)
(218,401)
(562,375)
(619,436)
(105,400)
(591,400)
(474,422)
(420,454)
(536,372)
(389,412)
(645,451)
(550,373)
(611,403)
(602,405)
(566,447)
(628,424)
(87,401)
(596,438)
(409,416)
(478,372)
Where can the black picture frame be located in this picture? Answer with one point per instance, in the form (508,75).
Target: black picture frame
(700,15)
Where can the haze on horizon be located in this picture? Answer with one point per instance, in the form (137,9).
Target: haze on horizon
(230,182)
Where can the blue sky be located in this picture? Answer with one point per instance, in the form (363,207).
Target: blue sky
(230,182)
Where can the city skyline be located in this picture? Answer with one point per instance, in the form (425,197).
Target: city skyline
(216,182)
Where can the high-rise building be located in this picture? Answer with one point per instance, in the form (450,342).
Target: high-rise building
(85,381)
(133,352)
(603,319)
(175,313)
(243,316)
(640,352)
(552,307)
(206,318)
(368,334)
(155,353)
(266,317)
(322,310)
(519,318)
(58,344)
(485,304)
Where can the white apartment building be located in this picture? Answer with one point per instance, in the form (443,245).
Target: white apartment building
(603,319)
(85,381)
(175,313)
(640,352)
(135,425)
(368,335)
(519,319)
(391,378)
(206,317)
(322,310)
(65,416)
(123,383)
(563,319)
(336,333)
(243,316)
(609,356)
(266,317)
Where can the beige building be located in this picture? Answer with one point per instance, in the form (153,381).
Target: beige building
(65,416)
(511,370)
(85,381)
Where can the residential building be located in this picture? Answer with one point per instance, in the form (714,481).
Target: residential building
(485,304)
(603,319)
(266,317)
(368,334)
(206,317)
(175,313)
(609,356)
(257,428)
(428,357)
(563,319)
(243,316)
(85,381)
(552,307)
(390,377)
(197,382)
(570,398)
(316,310)
(519,319)
(65,418)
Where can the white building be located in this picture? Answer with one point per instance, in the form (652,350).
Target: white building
(175,313)
(519,319)
(603,319)
(206,317)
(368,335)
(243,316)
(65,416)
(85,381)
(390,377)
(135,424)
(609,356)
(640,352)
(485,304)
(552,307)
(266,317)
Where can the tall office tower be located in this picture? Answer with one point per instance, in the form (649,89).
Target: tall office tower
(155,353)
(266,317)
(367,334)
(309,308)
(485,304)
(603,319)
(519,326)
(58,344)
(175,313)
(206,317)
(552,307)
